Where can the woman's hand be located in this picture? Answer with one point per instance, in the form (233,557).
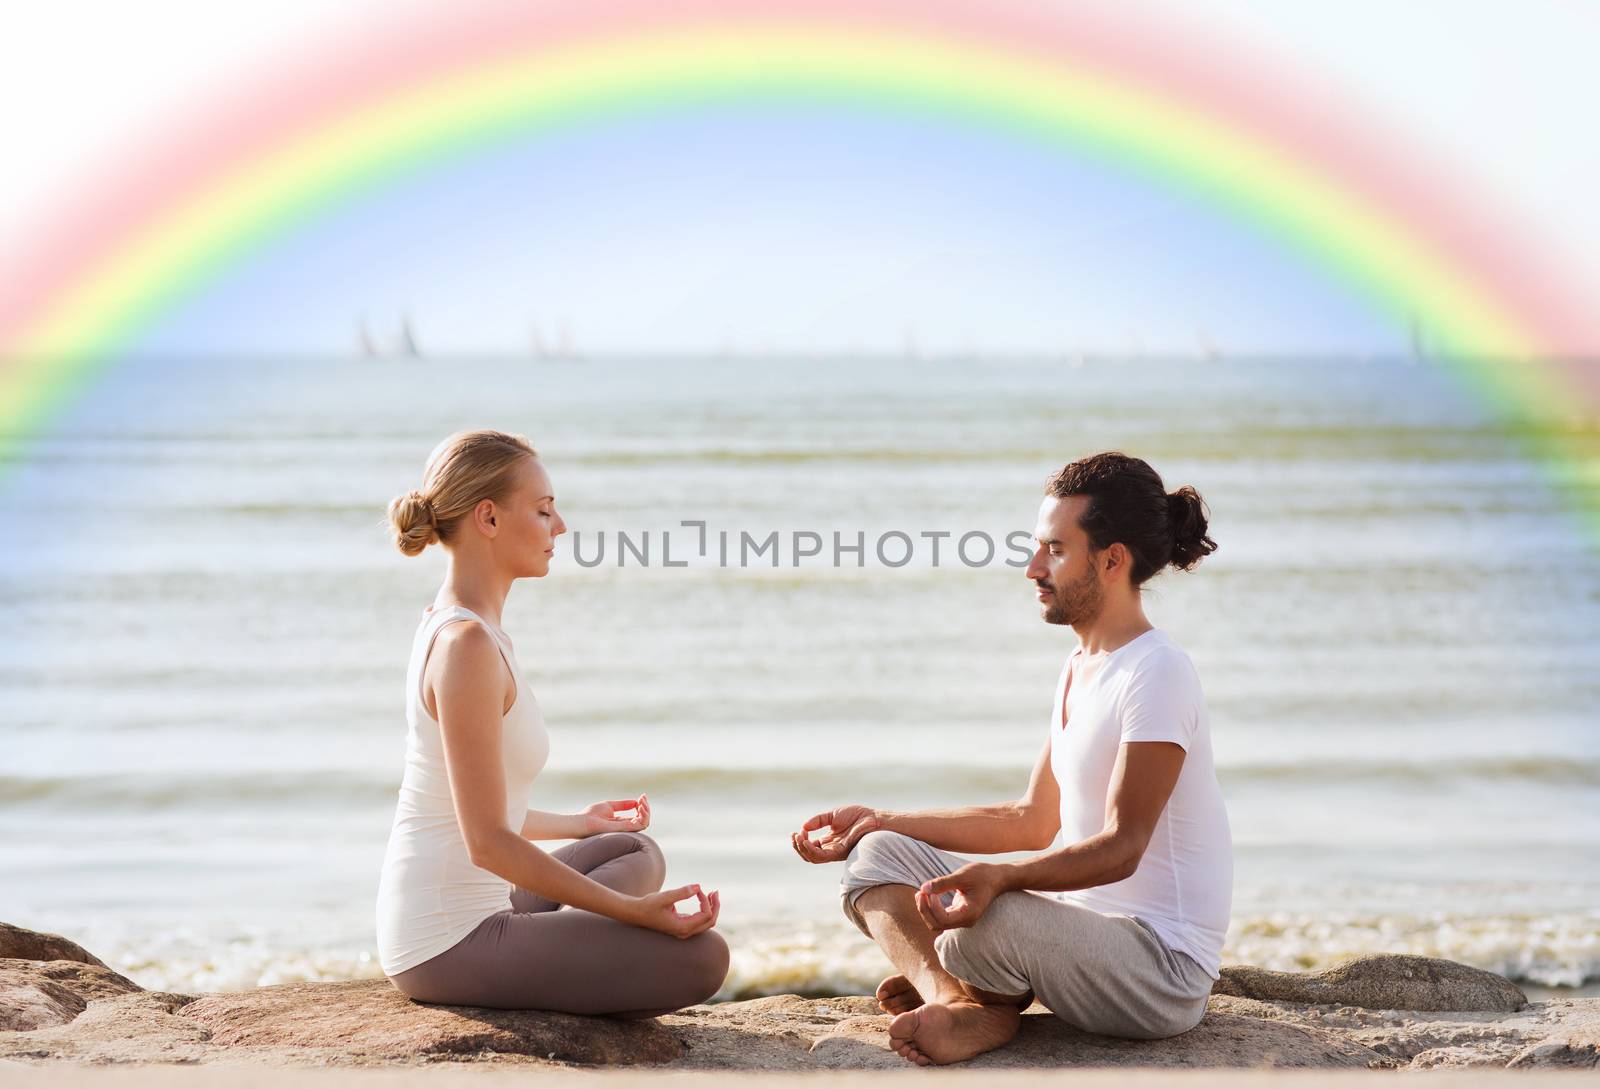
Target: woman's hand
(606,816)
(657,911)
(971,890)
(844,826)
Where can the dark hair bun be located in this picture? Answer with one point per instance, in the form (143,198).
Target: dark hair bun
(1187,513)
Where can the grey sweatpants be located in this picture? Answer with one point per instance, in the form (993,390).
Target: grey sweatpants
(539,955)
(1109,974)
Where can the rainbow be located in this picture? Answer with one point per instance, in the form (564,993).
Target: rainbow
(1193,114)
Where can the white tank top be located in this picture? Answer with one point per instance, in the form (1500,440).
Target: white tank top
(430,895)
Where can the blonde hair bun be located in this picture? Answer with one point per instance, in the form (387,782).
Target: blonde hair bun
(412,519)
(463,470)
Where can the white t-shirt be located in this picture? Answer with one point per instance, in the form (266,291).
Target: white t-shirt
(1148,690)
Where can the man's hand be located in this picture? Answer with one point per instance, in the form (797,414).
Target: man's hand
(959,899)
(607,816)
(841,829)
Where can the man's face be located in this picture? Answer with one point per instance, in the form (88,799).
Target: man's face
(1062,569)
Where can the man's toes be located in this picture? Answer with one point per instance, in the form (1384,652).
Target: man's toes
(903,1028)
(896,995)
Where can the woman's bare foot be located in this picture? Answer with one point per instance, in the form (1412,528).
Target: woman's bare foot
(897,995)
(939,1033)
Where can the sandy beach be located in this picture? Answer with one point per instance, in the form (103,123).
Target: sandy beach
(62,1009)
(485,1078)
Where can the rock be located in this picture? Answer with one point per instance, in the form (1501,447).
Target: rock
(1454,1058)
(38,993)
(793,1033)
(141,1027)
(782,1032)
(1447,1041)
(373,1019)
(1376,1012)
(17,943)
(1581,1052)
(1380,982)
(1220,1040)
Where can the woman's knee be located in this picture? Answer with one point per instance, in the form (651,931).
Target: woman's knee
(707,968)
(621,843)
(644,855)
(651,850)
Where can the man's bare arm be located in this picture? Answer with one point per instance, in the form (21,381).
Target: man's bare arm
(1028,824)
(1141,783)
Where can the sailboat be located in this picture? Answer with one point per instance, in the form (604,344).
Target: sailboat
(405,343)
(1419,342)
(408,340)
(566,343)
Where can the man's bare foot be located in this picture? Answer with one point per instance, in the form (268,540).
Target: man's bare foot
(939,1033)
(897,995)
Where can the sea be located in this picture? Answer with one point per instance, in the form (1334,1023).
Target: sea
(207,631)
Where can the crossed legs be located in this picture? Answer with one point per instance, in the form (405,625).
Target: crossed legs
(538,955)
(939,1018)
(1110,974)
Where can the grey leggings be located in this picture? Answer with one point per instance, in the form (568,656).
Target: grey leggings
(539,955)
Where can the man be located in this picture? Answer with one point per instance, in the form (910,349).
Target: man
(1118,927)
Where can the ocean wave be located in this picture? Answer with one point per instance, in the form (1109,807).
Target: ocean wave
(832,958)
(129,792)
(1549,951)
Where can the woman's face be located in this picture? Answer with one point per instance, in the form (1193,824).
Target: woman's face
(529,524)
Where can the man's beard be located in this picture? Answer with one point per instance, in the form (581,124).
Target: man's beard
(1077,602)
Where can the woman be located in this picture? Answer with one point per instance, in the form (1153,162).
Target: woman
(470,912)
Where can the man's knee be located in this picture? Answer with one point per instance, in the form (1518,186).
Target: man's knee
(1007,917)
(878,843)
(986,954)
(964,952)
(875,850)
(878,859)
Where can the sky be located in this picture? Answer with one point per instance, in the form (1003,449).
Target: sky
(810,232)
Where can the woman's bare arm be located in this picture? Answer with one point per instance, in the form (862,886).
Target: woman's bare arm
(621,815)
(470,685)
